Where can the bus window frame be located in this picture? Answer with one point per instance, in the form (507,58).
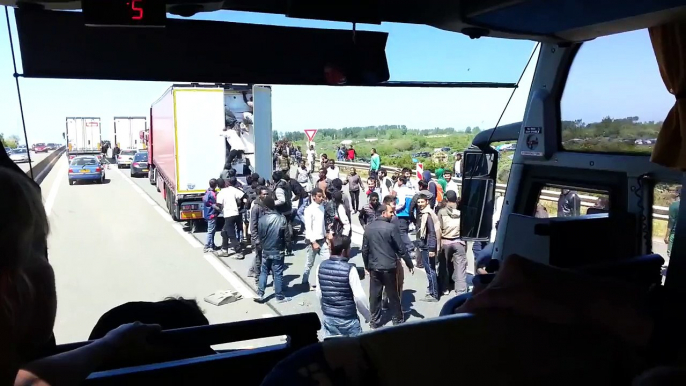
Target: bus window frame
(558,92)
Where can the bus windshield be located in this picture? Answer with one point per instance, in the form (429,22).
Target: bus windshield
(169,147)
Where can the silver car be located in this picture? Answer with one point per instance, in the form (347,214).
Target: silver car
(19,155)
(125,158)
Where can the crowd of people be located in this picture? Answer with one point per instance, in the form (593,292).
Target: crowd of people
(275,212)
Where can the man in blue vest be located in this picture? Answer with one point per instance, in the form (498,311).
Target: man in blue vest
(340,292)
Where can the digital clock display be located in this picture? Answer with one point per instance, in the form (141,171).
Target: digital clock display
(124,13)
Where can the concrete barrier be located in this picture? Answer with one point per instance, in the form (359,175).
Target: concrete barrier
(41,169)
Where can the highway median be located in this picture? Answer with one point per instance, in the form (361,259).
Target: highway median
(42,168)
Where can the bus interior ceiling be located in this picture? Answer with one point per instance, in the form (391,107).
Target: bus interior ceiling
(52,40)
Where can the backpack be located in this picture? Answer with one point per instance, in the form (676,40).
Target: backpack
(439,191)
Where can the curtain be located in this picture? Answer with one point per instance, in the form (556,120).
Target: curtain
(669,44)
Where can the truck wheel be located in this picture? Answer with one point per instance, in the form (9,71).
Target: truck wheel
(193,226)
(151,177)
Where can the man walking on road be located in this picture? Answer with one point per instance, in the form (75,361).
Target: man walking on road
(315,233)
(374,164)
(209,213)
(231,199)
(258,210)
(284,162)
(454,249)
(283,194)
(369,212)
(428,243)
(311,156)
(274,233)
(340,292)
(381,246)
(403,196)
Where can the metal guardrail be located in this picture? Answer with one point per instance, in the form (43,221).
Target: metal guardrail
(659,212)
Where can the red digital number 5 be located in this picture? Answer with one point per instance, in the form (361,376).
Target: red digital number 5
(138,10)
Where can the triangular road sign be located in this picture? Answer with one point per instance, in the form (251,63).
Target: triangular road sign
(310,133)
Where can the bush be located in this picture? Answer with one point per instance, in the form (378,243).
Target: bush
(403,145)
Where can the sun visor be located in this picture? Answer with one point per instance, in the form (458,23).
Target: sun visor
(57,44)
(575,20)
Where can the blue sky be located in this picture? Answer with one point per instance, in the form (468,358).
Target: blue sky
(617,76)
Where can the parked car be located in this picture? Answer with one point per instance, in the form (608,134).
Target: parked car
(19,155)
(86,168)
(139,166)
(8,150)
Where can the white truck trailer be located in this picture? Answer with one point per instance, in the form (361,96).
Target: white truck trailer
(83,136)
(187,144)
(129,132)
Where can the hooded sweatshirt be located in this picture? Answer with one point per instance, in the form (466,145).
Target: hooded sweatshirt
(441,180)
(426,176)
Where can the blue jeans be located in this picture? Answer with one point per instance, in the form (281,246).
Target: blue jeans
(323,253)
(334,326)
(430,268)
(404,225)
(275,263)
(211,228)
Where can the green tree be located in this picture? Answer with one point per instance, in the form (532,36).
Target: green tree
(468,130)
(476,130)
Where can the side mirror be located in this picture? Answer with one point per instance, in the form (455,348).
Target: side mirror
(477,199)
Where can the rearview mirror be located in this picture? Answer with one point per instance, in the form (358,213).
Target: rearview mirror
(477,200)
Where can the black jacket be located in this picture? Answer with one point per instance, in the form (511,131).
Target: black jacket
(273,232)
(382,245)
(256,212)
(285,187)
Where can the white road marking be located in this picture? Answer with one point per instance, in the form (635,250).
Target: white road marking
(187,236)
(52,195)
(163,213)
(229,276)
(138,189)
(149,200)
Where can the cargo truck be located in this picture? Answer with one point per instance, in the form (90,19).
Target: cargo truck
(128,132)
(187,141)
(83,136)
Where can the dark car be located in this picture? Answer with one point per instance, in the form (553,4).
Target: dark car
(139,164)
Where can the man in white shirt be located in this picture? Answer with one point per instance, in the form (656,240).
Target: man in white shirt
(340,292)
(311,156)
(450,183)
(458,165)
(315,233)
(332,171)
(231,199)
